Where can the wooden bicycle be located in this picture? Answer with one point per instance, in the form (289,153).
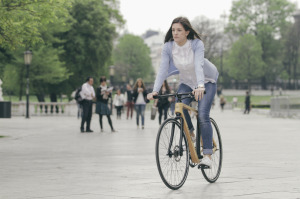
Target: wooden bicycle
(175,152)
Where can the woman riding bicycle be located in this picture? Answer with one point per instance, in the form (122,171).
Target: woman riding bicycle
(183,53)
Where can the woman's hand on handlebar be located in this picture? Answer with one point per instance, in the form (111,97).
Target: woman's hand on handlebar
(150,95)
(198,93)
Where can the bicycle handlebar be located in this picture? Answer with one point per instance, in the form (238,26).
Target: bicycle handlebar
(189,95)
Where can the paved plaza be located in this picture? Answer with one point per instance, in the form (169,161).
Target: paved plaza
(47,157)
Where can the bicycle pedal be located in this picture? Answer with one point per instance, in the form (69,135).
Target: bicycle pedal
(201,166)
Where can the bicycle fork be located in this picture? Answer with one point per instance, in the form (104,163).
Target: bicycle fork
(172,137)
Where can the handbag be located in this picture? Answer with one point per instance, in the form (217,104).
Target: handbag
(153,112)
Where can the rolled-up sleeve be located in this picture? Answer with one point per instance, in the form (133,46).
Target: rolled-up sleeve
(199,62)
(163,69)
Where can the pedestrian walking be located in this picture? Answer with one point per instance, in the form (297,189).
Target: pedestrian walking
(183,53)
(140,100)
(222,102)
(234,101)
(118,103)
(163,104)
(247,103)
(129,102)
(87,93)
(103,93)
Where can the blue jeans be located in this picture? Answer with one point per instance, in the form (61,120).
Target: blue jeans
(140,110)
(204,106)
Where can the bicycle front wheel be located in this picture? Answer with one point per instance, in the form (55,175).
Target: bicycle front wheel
(172,162)
(212,174)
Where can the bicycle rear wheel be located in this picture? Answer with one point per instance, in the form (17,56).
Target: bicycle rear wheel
(173,164)
(212,174)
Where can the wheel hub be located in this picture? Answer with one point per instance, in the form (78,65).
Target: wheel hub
(177,156)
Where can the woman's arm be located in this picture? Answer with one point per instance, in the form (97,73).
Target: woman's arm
(163,69)
(199,62)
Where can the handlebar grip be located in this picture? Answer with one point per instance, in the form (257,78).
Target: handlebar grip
(155,97)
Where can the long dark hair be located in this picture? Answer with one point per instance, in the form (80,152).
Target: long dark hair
(102,79)
(136,84)
(166,85)
(187,27)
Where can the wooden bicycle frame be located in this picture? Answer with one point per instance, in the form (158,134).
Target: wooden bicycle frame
(179,107)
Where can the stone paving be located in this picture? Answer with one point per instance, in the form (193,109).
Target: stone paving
(47,157)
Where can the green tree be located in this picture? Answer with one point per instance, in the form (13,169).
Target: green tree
(244,60)
(132,58)
(267,20)
(5,57)
(20,20)
(292,52)
(89,43)
(46,70)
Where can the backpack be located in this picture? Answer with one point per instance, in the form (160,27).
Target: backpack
(78,97)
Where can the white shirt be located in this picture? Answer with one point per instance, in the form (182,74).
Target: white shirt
(87,91)
(140,99)
(183,57)
(119,100)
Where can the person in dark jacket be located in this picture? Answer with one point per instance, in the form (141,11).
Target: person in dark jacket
(163,104)
(129,100)
(103,94)
(247,103)
(140,100)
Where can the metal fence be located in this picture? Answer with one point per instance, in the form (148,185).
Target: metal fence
(285,106)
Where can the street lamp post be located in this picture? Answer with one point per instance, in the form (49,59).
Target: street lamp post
(27,60)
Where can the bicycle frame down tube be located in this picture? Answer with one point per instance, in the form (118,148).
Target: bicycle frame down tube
(198,141)
(179,109)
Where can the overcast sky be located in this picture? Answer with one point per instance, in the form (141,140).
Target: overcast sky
(142,15)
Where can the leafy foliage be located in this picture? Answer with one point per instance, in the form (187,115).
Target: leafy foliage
(89,43)
(46,69)
(268,21)
(132,58)
(244,60)
(20,20)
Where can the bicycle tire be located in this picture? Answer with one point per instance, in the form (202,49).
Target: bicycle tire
(212,174)
(168,166)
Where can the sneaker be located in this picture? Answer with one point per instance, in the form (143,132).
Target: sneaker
(206,161)
(89,131)
(113,131)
